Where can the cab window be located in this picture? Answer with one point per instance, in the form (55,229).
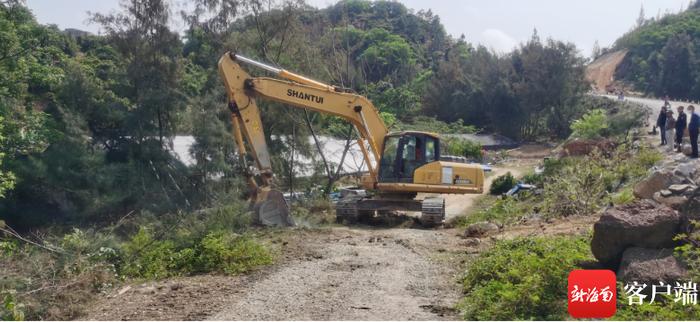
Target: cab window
(386,168)
(430,154)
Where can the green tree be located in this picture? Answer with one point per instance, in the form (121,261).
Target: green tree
(591,125)
(141,35)
(7,179)
(676,64)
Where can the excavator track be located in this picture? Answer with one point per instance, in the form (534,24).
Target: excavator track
(352,208)
(433,211)
(347,209)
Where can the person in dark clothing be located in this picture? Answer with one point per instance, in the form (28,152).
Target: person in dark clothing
(661,123)
(681,125)
(693,129)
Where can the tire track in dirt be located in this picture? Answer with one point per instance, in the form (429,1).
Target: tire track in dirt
(359,274)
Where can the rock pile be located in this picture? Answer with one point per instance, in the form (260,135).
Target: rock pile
(637,239)
(579,147)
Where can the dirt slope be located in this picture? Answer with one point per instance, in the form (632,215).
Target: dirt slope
(601,72)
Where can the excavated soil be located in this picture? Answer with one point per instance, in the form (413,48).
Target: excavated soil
(601,72)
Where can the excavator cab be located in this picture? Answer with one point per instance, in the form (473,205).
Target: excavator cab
(405,152)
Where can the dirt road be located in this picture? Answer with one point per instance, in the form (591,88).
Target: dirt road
(359,274)
(335,273)
(339,273)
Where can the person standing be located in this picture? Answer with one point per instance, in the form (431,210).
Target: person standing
(670,126)
(693,128)
(661,123)
(681,125)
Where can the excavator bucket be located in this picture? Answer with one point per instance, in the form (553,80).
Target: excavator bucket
(270,209)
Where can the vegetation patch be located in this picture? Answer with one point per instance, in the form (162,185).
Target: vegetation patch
(502,184)
(55,278)
(145,257)
(534,289)
(664,308)
(577,185)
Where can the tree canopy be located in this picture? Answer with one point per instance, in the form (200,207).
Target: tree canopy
(663,55)
(87,121)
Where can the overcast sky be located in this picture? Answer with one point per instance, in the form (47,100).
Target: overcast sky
(498,24)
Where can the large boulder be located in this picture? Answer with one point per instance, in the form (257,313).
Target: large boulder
(691,213)
(687,169)
(651,266)
(674,201)
(656,181)
(640,224)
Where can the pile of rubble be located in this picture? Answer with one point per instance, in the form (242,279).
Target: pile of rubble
(637,239)
(579,147)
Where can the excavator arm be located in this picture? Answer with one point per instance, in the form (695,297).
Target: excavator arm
(298,91)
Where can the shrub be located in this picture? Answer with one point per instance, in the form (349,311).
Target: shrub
(8,247)
(592,125)
(54,285)
(663,309)
(503,211)
(502,184)
(575,190)
(148,258)
(579,186)
(10,310)
(628,117)
(231,254)
(535,288)
(233,216)
(622,197)
(533,179)
(219,251)
(689,251)
(463,148)
(622,117)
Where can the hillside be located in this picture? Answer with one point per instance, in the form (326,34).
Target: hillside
(664,55)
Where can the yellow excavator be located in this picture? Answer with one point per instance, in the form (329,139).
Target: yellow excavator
(400,165)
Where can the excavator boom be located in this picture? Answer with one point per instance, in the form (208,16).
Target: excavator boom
(299,91)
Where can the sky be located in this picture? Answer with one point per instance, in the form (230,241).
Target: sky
(497,24)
